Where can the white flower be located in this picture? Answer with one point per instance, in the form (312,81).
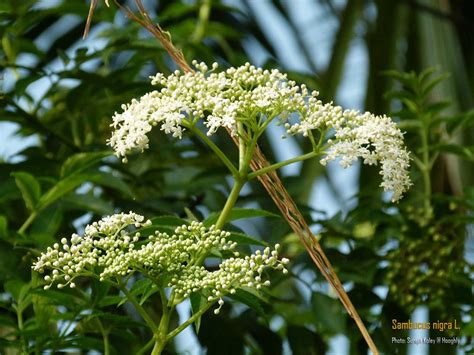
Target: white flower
(251,95)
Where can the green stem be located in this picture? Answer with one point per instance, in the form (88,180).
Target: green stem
(19,315)
(158,348)
(165,317)
(193,318)
(233,170)
(418,162)
(147,346)
(425,172)
(105,337)
(245,156)
(281,164)
(241,147)
(234,194)
(151,324)
(27,223)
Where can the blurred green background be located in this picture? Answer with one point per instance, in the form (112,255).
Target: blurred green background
(397,261)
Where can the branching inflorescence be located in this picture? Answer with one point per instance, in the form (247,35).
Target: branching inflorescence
(244,101)
(253,97)
(114,247)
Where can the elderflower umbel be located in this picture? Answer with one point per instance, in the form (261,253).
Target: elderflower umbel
(114,247)
(250,94)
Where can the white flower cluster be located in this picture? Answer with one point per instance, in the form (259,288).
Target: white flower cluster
(113,247)
(249,94)
(374,139)
(220,99)
(232,273)
(105,244)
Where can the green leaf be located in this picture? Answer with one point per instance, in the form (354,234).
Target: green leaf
(42,309)
(61,188)
(71,182)
(303,341)
(244,239)
(250,299)
(198,302)
(48,221)
(3,227)
(29,187)
(454,123)
(410,105)
(141,287)
(468,329)
(432,84)
(168,221)
(437,107)
(464,152)
(81,161)
(109,180)
(411,124)
(164,224)
(425,75)
(6,321)
(63,297)
(89,203)
(150,291)
(329,313)
(239,213)
(15,287)
(110,300)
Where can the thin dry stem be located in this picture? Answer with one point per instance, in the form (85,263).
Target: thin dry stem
(89,17)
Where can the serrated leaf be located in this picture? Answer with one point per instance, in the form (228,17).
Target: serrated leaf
(81,161)
(29,187)
(239,213)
